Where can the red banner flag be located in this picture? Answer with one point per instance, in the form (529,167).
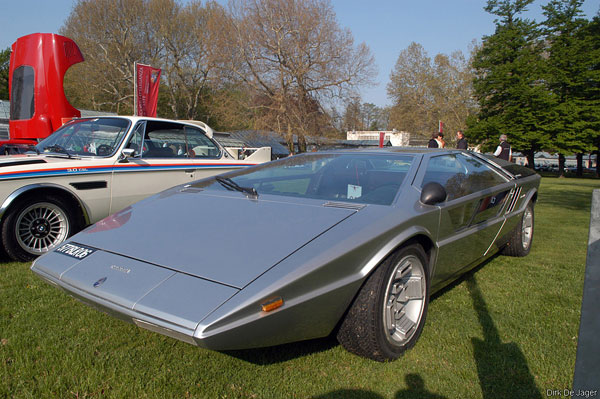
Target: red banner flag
(441,127)
(147,83)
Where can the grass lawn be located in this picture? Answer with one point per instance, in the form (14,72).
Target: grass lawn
(507,330)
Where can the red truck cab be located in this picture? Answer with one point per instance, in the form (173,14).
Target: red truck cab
(38,105)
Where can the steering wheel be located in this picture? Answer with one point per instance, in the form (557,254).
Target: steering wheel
(103,149)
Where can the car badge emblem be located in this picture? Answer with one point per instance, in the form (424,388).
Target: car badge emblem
(99,282)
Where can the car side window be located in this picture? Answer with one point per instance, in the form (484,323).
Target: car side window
(164,143)
(460,175)
(159,139)
(447,171)
(479,175)
(136,139)
(200,146)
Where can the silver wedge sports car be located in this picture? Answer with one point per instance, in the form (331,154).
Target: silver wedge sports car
(350,242)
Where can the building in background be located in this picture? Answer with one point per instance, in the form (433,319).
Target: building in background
(396,138)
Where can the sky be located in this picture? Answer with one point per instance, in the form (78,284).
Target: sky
(386,26)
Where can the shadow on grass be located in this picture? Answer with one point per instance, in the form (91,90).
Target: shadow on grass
(4,258)
(568,199)
(415,390)
(502,368)
(285,352)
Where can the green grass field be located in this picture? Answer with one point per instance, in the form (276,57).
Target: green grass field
(507,330)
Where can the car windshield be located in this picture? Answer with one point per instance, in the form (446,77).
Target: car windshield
(353,177)
(91,137)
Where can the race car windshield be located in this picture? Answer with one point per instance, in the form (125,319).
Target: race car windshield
(86,137)
(358,178)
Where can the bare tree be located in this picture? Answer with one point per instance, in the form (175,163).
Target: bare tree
(294,58)
(112,35)
(425,91)
(353,116)
(186,56)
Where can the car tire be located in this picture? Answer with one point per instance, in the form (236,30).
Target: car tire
(35,226)
(519,243)
(388,314)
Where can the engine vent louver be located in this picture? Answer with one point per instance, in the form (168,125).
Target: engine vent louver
(514,200)
(24,162)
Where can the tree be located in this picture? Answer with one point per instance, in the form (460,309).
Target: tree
(293,58)
(365,116)
(592,76)
(425,91)
(374,118)
(570,58)
(4,66)
(352,119)
(412,108)
(112,35)
(508,83)
(185,56)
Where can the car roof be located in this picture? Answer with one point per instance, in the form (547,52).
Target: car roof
(146,118)
(395,150)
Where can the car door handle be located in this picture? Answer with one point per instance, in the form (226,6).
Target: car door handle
(190,170)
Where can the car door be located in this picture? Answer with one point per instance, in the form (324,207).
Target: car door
(163,158)
(471,216)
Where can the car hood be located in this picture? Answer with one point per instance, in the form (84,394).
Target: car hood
(11,164)
(228,238)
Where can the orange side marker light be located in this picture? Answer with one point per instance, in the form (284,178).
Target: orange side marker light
(272,304)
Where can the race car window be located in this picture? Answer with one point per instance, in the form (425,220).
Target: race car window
(199,145)
(174,140)
(137,138)
(86,137)
(22,97)
(460,174)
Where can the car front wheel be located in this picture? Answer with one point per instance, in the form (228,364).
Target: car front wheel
(388,314)
(36,226)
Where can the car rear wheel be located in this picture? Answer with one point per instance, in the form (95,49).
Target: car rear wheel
(521,238)
(36,226)
(388,314)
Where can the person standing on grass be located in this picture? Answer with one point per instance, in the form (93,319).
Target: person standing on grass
(437,141)
(461,141)
(503,151)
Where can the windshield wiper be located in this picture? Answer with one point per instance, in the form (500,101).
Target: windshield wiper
(58,149)
(233,186)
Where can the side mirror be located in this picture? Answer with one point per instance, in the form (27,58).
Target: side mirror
(433,193)
(126,154)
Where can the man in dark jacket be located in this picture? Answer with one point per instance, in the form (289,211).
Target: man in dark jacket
(503,151)
(461,141)
(432,143)
(437,140)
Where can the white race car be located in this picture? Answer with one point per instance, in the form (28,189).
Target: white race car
(93,167)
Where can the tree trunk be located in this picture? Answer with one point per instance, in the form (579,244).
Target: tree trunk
(561,165)
(579,164)
(290,139)
(530,158)
(301,143)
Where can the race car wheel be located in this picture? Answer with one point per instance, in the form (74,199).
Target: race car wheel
(36,226)
(521,238)
(388,314)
